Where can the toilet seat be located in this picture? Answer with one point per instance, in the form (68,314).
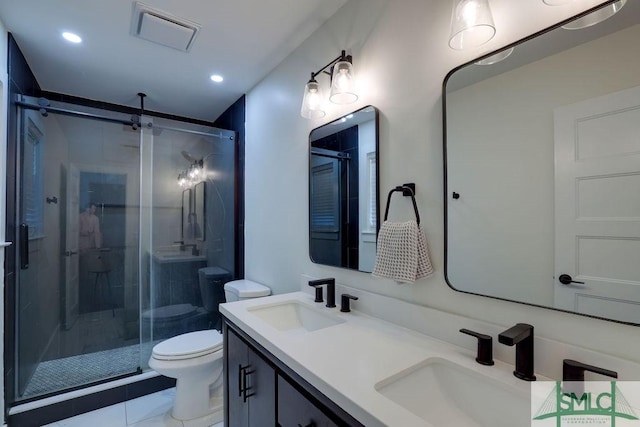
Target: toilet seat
(188,346)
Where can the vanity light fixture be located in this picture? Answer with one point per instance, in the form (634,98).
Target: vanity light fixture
(596,17)
(342,87)
(557,2)
(471,24)
(493,59)
(192,175)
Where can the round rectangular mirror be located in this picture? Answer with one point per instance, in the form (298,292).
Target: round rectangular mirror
(543,171)
(343,191)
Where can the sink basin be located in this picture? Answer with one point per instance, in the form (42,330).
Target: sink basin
(292,315)
(449,395)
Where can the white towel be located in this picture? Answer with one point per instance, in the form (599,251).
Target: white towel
(402,253)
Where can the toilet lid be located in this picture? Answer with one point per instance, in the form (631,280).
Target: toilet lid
(247,288)
(188,346)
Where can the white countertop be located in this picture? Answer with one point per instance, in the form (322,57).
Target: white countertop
(347,360)
(164,256)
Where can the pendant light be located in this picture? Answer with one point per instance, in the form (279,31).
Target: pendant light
(312,101)
(471,24)
(343,83)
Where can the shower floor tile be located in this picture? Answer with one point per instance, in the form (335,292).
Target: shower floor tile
(53,375)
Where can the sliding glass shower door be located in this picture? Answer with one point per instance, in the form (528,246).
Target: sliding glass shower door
(77,287)
(126,237)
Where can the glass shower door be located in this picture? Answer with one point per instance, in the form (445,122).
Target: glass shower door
(188,241)
(77,307)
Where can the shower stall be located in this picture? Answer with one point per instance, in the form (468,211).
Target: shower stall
(116,218)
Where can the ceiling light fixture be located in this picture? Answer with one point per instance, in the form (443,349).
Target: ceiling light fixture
(72,37)
(343,90)
(217,78)
(471,24)
(596,17)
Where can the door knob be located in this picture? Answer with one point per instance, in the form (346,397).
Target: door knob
(565,279)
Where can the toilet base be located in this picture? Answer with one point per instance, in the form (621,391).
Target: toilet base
(189,405)
(217,416)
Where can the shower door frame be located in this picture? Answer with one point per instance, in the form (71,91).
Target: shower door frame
(11,254)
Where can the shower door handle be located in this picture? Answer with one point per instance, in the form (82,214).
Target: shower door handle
(24,246)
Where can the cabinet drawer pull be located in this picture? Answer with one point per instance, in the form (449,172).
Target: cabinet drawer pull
(240,379)
(243,388)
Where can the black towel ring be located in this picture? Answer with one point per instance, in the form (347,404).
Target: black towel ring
(407,190)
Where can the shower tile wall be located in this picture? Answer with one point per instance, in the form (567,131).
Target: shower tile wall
(177,283)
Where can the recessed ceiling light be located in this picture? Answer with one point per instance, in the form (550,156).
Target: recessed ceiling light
(71,37)
(216,78)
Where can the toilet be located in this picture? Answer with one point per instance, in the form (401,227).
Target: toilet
(195,360)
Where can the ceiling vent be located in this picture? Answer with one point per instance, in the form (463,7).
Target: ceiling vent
(163,28)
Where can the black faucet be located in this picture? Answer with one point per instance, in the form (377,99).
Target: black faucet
(331,290)
(318,290)
(521,335)
(572,370)
(344,302)
(484,354)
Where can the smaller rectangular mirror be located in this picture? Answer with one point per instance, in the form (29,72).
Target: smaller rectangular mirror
(186,210)
(198,219)
(343,191)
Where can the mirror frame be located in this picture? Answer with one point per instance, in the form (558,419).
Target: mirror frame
(447,190)
(376,113)
(185,211)
(200,208)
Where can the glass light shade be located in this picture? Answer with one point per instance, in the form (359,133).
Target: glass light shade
(557,2)
(471,24)
(500,56)
(194,171)
(182,180)
(343,90)
(596,17)
(312,101)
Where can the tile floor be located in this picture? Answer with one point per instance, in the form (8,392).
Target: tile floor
(146,411)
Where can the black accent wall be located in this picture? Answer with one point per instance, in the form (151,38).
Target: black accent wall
(233,119)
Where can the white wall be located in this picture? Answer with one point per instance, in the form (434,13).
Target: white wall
(401,57)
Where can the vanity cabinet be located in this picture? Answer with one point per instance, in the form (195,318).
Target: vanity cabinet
(262,391)
(294,409)
(250,384)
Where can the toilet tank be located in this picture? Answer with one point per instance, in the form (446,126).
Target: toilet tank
(237,290)
(212,281)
